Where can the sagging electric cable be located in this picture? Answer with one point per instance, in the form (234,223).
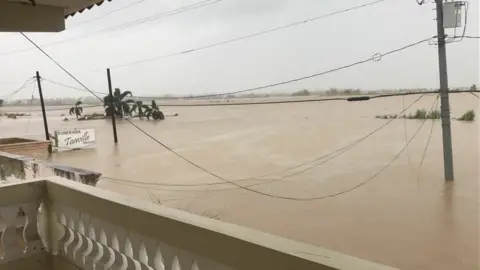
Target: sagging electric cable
(473,94)
(405,132)
(107,14)
(13,93)
(212,173)
(180,10)
(351,98)
(260,33)
(426,145)
(329,156)
(341,192)
(375,58)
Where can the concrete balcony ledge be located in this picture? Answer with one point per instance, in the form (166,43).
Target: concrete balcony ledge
(25,147)
(15,168)
(84,227)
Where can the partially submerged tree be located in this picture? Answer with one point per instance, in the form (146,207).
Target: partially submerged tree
(117,105)
(154,112)
(77,109)
(139,109)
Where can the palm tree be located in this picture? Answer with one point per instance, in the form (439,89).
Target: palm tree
(139,108)
(120,107)
(76,109)
(154,112)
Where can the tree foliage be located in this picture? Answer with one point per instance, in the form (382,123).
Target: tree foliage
(154,112)
(76,109)
(468,116)
(139,109)
(117,104)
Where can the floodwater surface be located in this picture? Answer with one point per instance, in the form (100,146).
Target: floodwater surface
(405,217)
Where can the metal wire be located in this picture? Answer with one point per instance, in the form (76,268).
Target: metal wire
(426,146)
(228,41)
(330,156)
(218,176)
(183,9)
(24,85)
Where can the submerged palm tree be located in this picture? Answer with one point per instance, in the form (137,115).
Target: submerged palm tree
(120,106)
(154,112)
(139,109)
(77,109)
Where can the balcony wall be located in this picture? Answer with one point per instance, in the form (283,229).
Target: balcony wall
(84,227)
(25,147)
(15,168)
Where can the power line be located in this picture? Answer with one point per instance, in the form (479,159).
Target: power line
(107,14)
(326,196)
(180,10)
(473,94)
(24,85)
(355,143)
(426,145)
(351,98)
(362,98)
(212,173)
(7,82)
(73,87)
(375,58)
(406,136)
(346,148)
(332,155)
(199,105)
(355,98)
(264,193)
(232,103)
(381,170)
(31,102)
(157,186)
(57,109)
(290,25)
(261,103)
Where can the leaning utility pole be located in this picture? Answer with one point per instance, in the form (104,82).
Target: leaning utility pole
(44,114)
(112,106)
(445,103)
(45,124)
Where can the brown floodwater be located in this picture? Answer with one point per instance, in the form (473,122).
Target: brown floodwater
(406,217)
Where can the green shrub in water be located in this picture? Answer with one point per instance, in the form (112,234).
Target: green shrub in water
(467,116)
(435,114)
(423,114)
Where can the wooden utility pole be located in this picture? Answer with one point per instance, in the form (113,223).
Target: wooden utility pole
(112,107)
(45,124)
(445,103)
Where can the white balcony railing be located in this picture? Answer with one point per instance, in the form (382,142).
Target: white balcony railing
(55,223)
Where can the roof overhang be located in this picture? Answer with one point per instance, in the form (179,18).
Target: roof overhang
(40,15)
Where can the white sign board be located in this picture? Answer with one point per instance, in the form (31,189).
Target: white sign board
(75,138)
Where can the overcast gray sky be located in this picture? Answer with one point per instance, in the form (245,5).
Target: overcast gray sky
(282,55)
